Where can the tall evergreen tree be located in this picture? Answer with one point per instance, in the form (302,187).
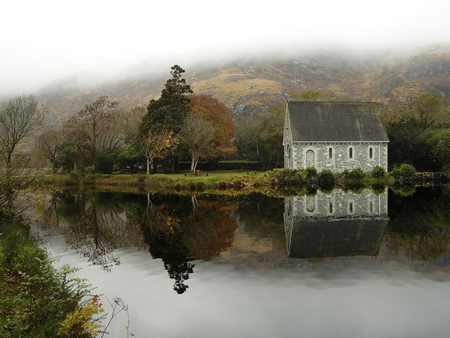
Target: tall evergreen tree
(168,111)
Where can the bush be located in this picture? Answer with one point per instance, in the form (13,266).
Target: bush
(311,172)
(354,174)
(105,163)
(283,176)
(76,175)
(378,172)
(326,175)
(405,170)
(34,297)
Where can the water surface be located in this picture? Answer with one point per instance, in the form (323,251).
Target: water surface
(375,264)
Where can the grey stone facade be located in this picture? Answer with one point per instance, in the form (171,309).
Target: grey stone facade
(334,135)
(338,156)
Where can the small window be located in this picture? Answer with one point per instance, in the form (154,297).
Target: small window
(330,207)
(330,153)
(370,152)
(371,207)
(350,207)
(310,203)
(350,152)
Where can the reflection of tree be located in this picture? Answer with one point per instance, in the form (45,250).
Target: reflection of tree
(94,224)
(90,238)
(419,224)
(262,218)
(181,229)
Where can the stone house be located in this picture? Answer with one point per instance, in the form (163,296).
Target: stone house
(334,135)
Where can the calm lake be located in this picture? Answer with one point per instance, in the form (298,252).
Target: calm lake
(328,264)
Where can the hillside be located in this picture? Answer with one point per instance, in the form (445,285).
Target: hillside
(252,86)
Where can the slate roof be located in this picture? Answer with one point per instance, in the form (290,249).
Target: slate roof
(325,121)
(342,237)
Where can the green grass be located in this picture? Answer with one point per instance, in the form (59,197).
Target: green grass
(205,181)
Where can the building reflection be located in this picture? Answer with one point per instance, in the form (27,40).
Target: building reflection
(335,224)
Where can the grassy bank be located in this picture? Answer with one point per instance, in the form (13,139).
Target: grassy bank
(211,181)
(273,182)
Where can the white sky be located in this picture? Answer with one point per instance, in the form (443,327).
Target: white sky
(43,40)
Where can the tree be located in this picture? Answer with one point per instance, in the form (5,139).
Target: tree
(409,124)
(91,125)
(440,142)
(197,134)
(48,145)
(169,110)
(157,144)
(220,117)
(19,117)
(261,139)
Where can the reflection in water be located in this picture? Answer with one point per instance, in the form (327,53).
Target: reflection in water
(179,229)
(176,229)
(419,227)
(238,246)
(335,224)
(93,224)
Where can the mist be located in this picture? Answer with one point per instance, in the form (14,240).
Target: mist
(85,44)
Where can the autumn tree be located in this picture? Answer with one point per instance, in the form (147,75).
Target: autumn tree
(92,124)
(197,134)
(220,117)
(19,117)
(48,146)
(157,144)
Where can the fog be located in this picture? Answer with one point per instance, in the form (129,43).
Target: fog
(48,41)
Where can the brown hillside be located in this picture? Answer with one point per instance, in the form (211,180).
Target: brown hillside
(252,87)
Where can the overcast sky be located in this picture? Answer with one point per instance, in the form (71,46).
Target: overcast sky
(46,40)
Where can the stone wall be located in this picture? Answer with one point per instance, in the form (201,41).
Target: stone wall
(340,156)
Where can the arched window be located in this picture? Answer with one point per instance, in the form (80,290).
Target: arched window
(350,152)
(350,207)
(309,160)
(330,207)
(288,156)
(370,152)
(330,153)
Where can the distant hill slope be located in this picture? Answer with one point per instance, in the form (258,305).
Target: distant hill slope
(252,86)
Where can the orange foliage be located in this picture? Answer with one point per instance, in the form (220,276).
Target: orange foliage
(220,117)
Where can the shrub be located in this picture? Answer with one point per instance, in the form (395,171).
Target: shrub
(326,175)
(354,174)
(378,172)
(283,176)
(311,172)
(105,163)
(405,170)
(34,297)
(76,175)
